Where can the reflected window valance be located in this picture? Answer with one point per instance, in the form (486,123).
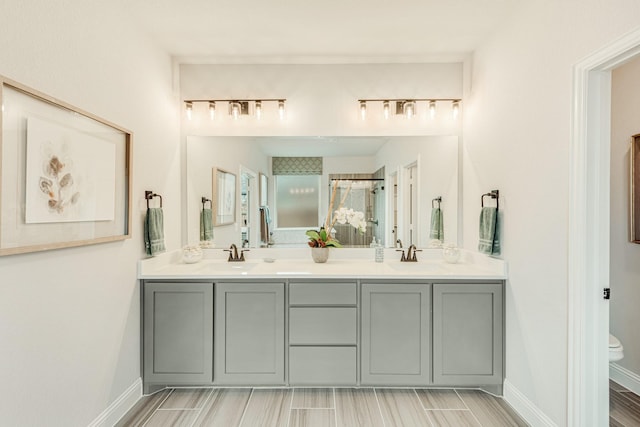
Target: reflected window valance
(297,165)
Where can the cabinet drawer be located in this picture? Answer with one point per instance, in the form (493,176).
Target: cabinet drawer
(322,294)
(322,365)
(322,325)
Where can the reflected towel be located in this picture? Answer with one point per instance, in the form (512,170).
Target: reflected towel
(489,236)
(437,225)
(264,226)
(154,231)
(206,225)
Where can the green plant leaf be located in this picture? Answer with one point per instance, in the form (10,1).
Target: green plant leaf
(334,243)
(313,234)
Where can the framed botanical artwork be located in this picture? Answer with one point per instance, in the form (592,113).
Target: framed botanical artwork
(65,175)
(224,197)
(634,186)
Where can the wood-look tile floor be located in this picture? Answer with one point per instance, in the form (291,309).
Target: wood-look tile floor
(344,407)
(624,406)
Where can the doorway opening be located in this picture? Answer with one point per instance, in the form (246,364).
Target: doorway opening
(248,207)
(589,223)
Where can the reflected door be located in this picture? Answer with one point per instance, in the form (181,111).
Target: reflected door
(410,205)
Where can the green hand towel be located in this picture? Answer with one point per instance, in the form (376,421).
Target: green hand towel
(489,236)
(437,225)
(154,231)
(206,225)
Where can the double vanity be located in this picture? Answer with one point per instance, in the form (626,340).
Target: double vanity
(279,319)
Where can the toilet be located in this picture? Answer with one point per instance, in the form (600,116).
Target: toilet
(615,349)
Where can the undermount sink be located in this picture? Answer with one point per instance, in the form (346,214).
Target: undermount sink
(228,267)
(415,267)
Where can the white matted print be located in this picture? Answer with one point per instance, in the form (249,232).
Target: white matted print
(70,175)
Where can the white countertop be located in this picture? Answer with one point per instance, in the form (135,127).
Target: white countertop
(344,263)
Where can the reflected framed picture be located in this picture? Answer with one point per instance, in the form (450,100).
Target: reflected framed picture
(65,176)
(264,190)
(634,186)
(224,197)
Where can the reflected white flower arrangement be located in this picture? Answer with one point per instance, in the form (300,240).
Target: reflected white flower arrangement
(322,238)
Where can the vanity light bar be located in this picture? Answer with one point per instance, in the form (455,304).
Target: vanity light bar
(237,107)
(408,107)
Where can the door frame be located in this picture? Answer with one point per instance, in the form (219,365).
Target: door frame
(253,212)
(588,232)
(410,236)
(392,201)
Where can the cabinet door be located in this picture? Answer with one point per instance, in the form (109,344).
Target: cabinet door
(395,334)
(249,333)
(178,333)
(467,334)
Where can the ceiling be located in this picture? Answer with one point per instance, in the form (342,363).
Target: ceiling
(347,30)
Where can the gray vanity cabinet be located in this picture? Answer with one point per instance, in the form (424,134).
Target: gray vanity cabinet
(178,333)
(467,334)
(395,334)
(249,326)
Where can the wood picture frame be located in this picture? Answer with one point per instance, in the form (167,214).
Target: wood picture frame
(634,189)
(65,174)
(224,197)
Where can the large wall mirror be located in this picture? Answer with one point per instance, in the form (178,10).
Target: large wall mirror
(393,180)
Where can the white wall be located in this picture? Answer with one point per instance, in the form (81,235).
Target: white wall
(321,99)
(69,319)
(624,265)
(516,139)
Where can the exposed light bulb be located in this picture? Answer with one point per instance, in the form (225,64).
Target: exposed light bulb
(235,109)
(432,109)
(409,109)
(363,109)
(212,110)
(189,107)
(385,109)
(281,108)
(455,109)
(258,109)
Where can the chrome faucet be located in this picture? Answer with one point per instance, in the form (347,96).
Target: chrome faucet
(233,253)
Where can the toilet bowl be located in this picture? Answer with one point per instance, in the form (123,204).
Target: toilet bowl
(615,349)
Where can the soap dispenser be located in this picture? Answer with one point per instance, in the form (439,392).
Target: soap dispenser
(379,252)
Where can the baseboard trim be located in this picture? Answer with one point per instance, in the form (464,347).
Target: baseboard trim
(120,406)
(625,377)
(525,408)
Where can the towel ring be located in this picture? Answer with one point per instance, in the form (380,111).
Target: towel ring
(494,194)
(436,200)
(150,195)
(205,200)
